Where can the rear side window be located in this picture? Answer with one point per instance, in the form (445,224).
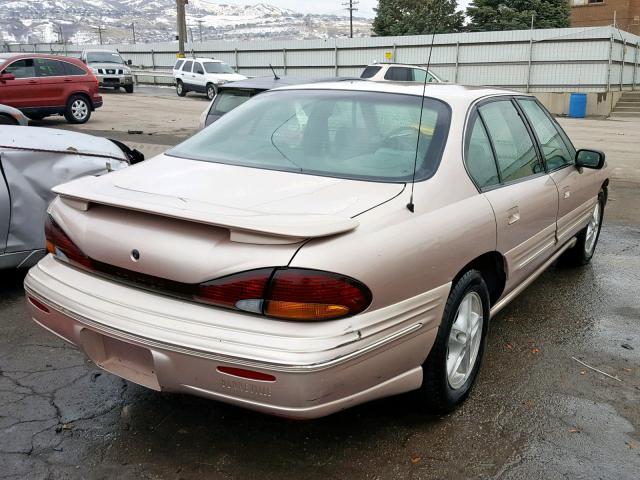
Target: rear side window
(227,100)
(71,69)
(48,68)
(479,156)
(555,149)
(369,72)
(399,74)
(187,66)
(178,64)
(22,68)
(515,151)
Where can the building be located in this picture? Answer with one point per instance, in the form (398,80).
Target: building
(595,13)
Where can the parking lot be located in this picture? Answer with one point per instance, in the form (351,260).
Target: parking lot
(536,411)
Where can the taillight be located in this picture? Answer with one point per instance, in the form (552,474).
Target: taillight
(60,245)
(288,293)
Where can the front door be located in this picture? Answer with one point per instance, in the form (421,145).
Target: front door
(5,210)
(525,201)
(22,92)
(576,196)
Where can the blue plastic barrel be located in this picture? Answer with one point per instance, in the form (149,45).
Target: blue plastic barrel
(578,105)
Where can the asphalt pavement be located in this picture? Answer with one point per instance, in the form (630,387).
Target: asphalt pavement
(536,411)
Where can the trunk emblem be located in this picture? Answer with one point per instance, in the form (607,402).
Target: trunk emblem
(135,255)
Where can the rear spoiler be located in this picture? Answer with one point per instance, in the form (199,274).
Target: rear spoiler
(245,226)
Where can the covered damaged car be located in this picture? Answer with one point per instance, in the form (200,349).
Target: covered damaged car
(32,161)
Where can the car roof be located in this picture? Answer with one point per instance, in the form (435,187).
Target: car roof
(203,59)
(6,56)
(393,64)
(106,50)
(443,91)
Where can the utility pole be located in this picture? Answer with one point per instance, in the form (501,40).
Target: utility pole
(350,5)
(99,29)
(182,25)
(133,28)
(191,33)
(200,22)
(60,34)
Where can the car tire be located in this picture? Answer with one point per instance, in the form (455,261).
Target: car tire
(7,120)
(445,385)
(78,109)
(128,88)
(212,91)
(181,90)
(582,252)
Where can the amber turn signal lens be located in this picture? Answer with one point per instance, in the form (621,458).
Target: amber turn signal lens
(305,311)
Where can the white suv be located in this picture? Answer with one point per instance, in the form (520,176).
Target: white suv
(202,75)
(399,72)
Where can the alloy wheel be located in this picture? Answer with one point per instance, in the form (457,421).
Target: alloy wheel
(592,230)
(79,109)
(464,340)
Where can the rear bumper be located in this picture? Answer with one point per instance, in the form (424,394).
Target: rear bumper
(327,370)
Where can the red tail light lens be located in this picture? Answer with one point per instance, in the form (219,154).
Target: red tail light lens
(60,245)
(288,293)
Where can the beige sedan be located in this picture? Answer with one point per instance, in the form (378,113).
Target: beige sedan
(320,246)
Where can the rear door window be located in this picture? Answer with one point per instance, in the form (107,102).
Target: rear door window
(46,67)
(515,151)
(187,66)
(556,151)
(23,68)
(369,72)
(398,74)
(479,156)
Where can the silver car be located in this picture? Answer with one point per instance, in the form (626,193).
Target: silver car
(320,246)
(32,161)
(12,116)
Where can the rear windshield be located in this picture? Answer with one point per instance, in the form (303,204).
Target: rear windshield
(227,100)
(217,67)
(104,57)
(370,72)
(346,134)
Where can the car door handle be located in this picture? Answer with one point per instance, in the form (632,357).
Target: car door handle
(513,215)
(33,81)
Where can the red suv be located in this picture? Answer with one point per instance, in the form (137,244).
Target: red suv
(42,85)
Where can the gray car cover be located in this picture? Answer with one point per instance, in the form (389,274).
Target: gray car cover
(32,161)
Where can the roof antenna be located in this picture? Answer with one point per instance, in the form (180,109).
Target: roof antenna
(275,76)
(410,206)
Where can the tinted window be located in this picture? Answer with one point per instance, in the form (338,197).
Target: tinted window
(197,68)
(369,72)
(217,67)
(516,153)
(479,156)
(227,100)
(347,134)
(399,74)
(187,66)
(71,69)
(104,57)
(556,152)
(48,68)
(178,64)
(417,75)
(22,68)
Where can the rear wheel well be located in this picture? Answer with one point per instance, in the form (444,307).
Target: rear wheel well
(84,95)
(491,267)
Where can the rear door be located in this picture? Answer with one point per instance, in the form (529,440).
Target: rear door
(22,92)
(577,190)
(51,81)
(525,199)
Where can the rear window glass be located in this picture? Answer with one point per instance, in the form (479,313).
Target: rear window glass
(369,72)
(346,134)
(227,100)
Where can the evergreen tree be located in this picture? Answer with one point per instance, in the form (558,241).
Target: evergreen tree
(417,17)
(488,15)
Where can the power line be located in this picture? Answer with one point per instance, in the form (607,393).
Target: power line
(351,8)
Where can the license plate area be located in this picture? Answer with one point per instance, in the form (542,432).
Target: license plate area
(123,359)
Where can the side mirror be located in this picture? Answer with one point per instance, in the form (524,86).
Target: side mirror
(129,62)
(590,159)
(6,76)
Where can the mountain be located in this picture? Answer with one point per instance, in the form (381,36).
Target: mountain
(84,21)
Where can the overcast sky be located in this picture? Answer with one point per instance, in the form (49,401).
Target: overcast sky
(365,8)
